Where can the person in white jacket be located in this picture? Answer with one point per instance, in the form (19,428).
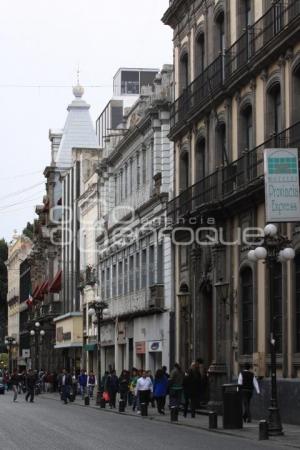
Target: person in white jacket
(144,388)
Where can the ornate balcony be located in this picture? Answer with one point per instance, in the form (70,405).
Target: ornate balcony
(232,184)
(261,43)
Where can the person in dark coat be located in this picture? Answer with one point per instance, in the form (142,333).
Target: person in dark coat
(14,381)
(112,387)
(31,380)
(192,389)
(176,386)
(124,385)
(248,382)
(65,386)
(160,388)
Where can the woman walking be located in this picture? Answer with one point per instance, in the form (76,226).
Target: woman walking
(14,381)
(160,389)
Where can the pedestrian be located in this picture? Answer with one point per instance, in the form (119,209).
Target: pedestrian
(66,384)
(160,388)
(31,380)
(152,400)
(83,383)
(248,382)
(192,389)
(165,371)
(124,386)
(74,385)
(112,387)
(132,398)
(14,381)
(91,383)
(176,386)
(144,389)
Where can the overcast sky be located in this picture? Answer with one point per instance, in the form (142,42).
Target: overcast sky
(41,44)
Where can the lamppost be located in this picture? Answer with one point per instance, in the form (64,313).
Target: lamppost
(97,310)
(10,342)
(36,333)
(275,248)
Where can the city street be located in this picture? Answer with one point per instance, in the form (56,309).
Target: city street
(49,425)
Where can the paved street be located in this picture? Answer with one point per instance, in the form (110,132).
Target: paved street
(49,425)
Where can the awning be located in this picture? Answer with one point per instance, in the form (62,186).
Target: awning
(55,286)
(39,295)
(89,347)
(44,288)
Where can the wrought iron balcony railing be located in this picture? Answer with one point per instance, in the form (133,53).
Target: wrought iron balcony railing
(220,73)
(246,171)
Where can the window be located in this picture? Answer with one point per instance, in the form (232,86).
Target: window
(247,311)
(130,177)
(126,276)
(144,155)
(184,71)
(120,278)
(114,280)
(107,282)
(277,312)
(200,54)
(296,94)
(200,160)
(126,180)
(121,185)
(221,33)
(184,172)
(131,274)
(160,264)
(274,109)
(144,268)
(221,155)
(151,265)
(297,299)
(137,271)
(138,180)
(116,189)
(103,283)
(247,141)
(248,13)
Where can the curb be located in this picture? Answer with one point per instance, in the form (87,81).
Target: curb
(181,424)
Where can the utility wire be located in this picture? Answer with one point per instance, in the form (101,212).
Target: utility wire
(20,191)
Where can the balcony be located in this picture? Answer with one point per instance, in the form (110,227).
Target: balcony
(142,302)
(232,184)
(261,42)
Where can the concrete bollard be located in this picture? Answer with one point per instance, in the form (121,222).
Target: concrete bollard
(213,420)
(87,400)
(263,430)
(102,403)
(121,406)
(174,414)
(144,409)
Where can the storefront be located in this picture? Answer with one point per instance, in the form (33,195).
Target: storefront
(69,340)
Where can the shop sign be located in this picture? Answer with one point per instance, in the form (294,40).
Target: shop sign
(155,346)
(282,185)
(140,348)
(59,334)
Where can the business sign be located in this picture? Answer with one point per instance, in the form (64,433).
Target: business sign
(25,353)
(140,348)
(155,346)
(282,185)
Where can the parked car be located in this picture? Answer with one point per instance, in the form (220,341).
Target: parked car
(2,386)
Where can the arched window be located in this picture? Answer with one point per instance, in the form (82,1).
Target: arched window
(247,311)
(297,301)
(246,131)
(296,94)
(200,54)
(221,150)
(274,109)
(277,310)
(184,71)
(200,159)
(220,35)
(184,172)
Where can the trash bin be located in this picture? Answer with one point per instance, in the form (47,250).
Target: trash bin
(87,400)
(232,406)
(121,406)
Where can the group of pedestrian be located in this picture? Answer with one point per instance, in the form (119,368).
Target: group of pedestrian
(24,382)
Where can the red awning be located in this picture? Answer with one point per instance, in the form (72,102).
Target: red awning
(44,288)
(38,294)
(55,286)
(36,289)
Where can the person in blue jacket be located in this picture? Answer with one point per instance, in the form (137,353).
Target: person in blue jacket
(160,388)
(82,383)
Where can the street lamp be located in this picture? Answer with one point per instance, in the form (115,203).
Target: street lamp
(98,309)
(36,333)
(10,342)
(275,248)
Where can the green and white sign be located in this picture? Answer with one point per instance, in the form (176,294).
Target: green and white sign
(282,185)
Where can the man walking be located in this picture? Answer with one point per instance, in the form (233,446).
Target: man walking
(66,383)
(144,389)
(14,380)
(83,383)
(248,382)
(30,385)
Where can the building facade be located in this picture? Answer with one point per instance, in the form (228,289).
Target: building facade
(135,270)
(236,93)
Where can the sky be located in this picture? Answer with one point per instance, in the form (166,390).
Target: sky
(42,43)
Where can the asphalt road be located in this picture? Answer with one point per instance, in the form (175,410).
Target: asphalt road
(49,425)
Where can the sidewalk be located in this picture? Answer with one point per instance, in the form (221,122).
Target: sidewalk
(291,436)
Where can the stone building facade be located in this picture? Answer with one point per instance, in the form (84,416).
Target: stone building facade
(135,270)
(236,93)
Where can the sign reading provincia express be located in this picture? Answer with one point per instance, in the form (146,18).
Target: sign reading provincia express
(282,185)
